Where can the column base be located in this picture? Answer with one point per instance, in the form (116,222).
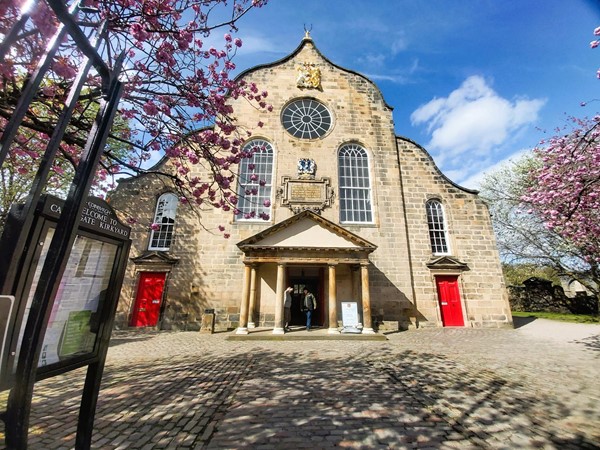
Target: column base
(251,325)
(278,331)
(368,331)
(241,330)
(333,331)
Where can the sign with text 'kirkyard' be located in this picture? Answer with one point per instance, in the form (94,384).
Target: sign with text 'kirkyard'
(96,215)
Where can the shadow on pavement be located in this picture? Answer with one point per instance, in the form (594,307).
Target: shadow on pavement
(519,322)
(305,399)
(591,343)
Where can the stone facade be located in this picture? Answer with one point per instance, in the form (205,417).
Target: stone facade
(206,271)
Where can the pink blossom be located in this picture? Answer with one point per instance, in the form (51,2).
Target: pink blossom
(267,203)
(597,31)
(594,44)
(237,42)
(155,226)
(150,108)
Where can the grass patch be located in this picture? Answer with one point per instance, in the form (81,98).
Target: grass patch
(575,318)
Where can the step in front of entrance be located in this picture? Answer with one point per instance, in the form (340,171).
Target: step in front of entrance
(303,335)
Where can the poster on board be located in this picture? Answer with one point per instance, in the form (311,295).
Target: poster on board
(350,314)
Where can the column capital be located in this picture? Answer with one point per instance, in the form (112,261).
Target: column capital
(333,263)
(366,263)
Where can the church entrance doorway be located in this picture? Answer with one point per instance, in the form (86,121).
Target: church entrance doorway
(314,284)
(449,298)
(146,310)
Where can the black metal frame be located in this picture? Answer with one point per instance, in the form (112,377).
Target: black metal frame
(20,225)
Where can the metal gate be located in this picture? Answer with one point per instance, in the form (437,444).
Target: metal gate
(88,38)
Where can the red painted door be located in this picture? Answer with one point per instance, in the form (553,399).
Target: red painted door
(449,297)
(146,310)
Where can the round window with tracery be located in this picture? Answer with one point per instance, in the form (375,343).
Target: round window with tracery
(306,119)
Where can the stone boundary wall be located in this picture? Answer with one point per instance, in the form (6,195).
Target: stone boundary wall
(538,294)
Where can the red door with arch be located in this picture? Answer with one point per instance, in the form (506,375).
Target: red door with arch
(449,298)
(146,310)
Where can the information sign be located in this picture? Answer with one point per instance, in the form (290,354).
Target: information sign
(350,314)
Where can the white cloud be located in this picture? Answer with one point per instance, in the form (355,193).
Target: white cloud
(400,79)
(399,44)
(260,44)
(373,60)
(474,118)
(474,180)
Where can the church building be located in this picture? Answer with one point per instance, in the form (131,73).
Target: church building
(359,216)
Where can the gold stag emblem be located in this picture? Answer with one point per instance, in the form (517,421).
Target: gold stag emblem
(309,76)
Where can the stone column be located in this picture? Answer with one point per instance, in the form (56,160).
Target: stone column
(243,328)
(333,328)
(366,299)
(278,328)
(252,302)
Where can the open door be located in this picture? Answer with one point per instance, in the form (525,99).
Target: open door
(449,298)
(314,286)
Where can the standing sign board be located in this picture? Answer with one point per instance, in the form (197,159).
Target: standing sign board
(84,306)
(350,319)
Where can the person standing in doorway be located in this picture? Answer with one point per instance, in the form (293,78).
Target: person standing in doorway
(287,308)
(310,304)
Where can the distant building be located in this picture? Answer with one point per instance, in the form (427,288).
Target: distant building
(573,288)
(356,214)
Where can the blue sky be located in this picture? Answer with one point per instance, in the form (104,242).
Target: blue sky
(475,82)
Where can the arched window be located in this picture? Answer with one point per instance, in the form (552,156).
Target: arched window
(161,235)
(255,182)
(355,185)
(437,228)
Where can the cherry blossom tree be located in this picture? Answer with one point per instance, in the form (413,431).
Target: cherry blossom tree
(594,44)
(551,203)
(524,241)
(563,192)
(177,78)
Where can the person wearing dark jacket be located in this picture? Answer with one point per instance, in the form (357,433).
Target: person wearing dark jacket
(309,305)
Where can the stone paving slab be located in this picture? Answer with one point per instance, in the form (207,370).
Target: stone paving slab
(431,389)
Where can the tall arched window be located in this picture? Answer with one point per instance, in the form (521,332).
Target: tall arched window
(355,185)
(161,235)
(255,182)
(437,228)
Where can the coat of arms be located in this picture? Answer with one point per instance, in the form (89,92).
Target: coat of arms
(307,169)
(309,76)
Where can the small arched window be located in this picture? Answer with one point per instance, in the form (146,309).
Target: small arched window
(355,185)
(436,223)
(161,235)
(255,182)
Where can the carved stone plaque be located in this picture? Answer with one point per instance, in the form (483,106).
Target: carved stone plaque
(299,195)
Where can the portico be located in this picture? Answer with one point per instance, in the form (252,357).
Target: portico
(306,240)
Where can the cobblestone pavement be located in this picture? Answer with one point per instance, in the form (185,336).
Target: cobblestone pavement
(533,387)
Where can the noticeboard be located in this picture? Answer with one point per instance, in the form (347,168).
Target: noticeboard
(88,289)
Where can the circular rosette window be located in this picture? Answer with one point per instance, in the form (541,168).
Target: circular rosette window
(306,119)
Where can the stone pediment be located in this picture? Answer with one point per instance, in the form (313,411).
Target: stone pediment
(152,257)
(447,263)
(307,230)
